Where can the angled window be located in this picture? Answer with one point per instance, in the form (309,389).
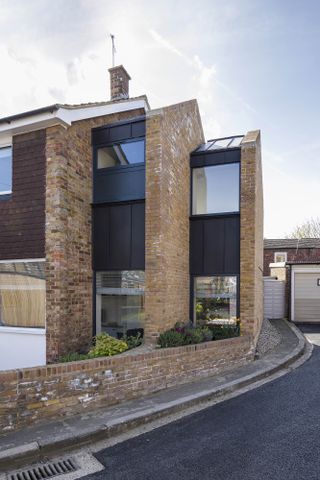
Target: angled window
(125,153)
(5,170)
(215,189)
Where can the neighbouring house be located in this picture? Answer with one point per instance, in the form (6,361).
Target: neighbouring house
(295,264)
(115,217)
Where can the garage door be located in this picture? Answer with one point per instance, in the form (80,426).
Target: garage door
(307,297)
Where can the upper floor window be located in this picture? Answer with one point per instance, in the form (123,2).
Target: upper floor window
(5,170)
(215,189)
(280,257)
(124,153)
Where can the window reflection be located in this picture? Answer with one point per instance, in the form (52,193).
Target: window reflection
(126,153)
(215,299)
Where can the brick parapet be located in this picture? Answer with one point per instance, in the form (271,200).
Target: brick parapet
(36,395)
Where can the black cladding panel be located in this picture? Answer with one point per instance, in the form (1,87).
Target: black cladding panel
(118,237)
(215,245)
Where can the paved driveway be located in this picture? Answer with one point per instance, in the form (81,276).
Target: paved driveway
(272,432)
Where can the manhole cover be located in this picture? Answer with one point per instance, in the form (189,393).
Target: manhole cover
(45,470)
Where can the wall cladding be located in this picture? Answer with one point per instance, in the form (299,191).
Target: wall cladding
(22,217)
(36,395)
(119,237)
(215,245)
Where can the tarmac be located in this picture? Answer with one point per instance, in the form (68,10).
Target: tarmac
(36,443)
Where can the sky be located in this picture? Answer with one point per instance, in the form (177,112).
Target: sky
(251,65)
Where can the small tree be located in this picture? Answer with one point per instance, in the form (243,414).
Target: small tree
(308,229)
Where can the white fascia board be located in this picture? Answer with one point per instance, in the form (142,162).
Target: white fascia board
(65,117)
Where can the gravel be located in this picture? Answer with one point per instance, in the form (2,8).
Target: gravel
(268,339)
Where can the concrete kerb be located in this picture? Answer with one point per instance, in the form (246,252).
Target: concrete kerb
(271,366)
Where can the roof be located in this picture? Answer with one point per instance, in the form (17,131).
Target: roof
(57,106)
(304,262)
(287,243)
(224,143)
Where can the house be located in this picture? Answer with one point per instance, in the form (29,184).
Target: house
(290,250)
(119,218)
(296,264)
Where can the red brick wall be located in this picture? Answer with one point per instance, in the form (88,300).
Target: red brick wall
(302,255)
(36,395)
(22,217)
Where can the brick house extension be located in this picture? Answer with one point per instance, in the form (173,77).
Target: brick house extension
(118,218)
(296,250)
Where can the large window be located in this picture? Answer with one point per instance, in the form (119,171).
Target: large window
(22,294)
(215,189)
(5,170)
(215,299)
(126,153)
(120,302)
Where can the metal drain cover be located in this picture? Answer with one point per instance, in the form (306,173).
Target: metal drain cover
(45,470)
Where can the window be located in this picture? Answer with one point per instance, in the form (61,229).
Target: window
(215,189)
(126,153)
(22,294)
(5,170)
(280,257)
(215,299)
(120,302)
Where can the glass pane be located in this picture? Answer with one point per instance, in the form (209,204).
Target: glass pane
(236,142)
(6,170)
(215,300)
(120,302)
(22,294)
(215,189)
(121,154)
(223,143)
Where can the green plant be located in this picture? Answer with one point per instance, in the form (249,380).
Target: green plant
(106,346)
(73,357)
(193,335)
(133,341)
(171,338)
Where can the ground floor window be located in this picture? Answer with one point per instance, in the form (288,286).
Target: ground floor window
(215,299)
(120,302)
(22,294)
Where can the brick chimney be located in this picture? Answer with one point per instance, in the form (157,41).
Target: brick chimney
(119,82)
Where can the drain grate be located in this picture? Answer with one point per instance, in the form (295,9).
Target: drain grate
(45,470)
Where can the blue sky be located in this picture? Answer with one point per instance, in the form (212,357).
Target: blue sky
(251,64)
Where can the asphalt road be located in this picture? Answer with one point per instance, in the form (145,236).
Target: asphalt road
(272,432)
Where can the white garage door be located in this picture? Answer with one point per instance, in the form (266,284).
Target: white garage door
(307,297)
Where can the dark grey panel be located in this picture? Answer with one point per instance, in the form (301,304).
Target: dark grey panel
(215,245)
(215,158)
(138,237)
(119,184)
(126,130)
(120,236)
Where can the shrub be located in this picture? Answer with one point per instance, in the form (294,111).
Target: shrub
(73,357)
(106,346)
(171,338)
(219,332)
(133,341)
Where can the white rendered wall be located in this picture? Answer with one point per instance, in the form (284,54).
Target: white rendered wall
(22,347)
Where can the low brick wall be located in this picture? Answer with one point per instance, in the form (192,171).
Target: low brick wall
(35,395)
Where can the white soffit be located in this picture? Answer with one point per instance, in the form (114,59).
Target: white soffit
(65,117)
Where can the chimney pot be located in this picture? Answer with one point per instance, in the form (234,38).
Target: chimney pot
(119,83)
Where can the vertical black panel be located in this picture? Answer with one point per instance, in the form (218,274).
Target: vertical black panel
(213,245)
(232,245)
(138,237)
(196,246)
(120,236)
(100,236)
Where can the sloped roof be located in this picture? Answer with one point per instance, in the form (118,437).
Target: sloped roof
(225,143)
(283,243)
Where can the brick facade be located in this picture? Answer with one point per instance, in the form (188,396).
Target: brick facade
(251,236)
(293,255)
(68,234)
(171,134)
(22,216)
(36,395)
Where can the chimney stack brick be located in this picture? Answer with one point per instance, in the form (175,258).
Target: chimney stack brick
(119,83)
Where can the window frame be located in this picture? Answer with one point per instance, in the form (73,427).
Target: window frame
(26,330)
(117,167)
(280,253)
(4,194)
(216,214)
(209,275)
